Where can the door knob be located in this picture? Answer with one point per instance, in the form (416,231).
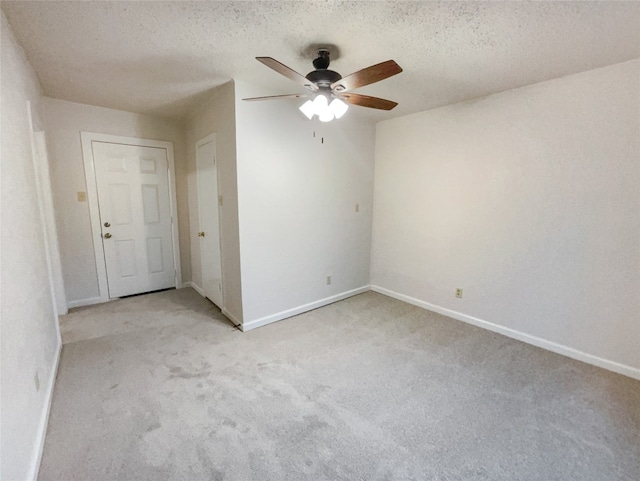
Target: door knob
(106,224)
(107,236)
(200,234)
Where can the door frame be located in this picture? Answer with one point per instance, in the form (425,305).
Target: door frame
(205,140)
(94,212)
(40,158)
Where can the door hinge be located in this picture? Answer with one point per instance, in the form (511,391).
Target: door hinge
(220,202)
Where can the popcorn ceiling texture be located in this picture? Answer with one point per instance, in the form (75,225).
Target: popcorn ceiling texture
(164,57)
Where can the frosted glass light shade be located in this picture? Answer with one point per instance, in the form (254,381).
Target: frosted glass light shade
(321,107)
(338,108)
(320,103)
(308,109)
(326,116)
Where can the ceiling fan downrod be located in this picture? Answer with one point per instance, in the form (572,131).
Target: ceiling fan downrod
(322,76)
(323,60)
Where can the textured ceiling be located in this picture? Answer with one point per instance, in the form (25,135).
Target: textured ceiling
(163,57)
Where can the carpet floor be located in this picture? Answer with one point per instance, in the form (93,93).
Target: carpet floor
(162,387)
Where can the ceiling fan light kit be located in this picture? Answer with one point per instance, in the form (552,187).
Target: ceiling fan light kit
(328,92)
(325,110)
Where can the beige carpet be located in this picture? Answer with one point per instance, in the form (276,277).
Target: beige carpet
(162,387)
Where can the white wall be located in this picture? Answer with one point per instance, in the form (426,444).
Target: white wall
(64,121)
(217,115)
(529,200)
(297,200)
(30,340)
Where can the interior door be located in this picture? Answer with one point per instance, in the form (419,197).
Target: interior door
(209,234)
(135,215)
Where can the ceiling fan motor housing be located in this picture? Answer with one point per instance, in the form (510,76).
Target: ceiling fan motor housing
(322,76)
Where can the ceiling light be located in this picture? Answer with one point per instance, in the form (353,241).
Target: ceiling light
(321,107)
(308,109)
(338,107)
(330,84)
(320,103)
(326,116)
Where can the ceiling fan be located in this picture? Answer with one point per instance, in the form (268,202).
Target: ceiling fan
(328,92)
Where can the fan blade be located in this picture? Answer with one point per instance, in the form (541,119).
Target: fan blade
(273,97)
(367,76)
(366,101)
(282,69)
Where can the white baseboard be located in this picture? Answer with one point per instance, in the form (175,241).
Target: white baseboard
(195,287)
(520,336)
(225,313)
(44,420)
(86,302)
(247,326)
(231,317)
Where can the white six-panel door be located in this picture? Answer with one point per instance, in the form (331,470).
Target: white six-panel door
(135,216)
(209,233)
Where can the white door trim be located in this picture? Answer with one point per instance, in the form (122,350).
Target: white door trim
(47,218)
(211,138)
(92,199)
